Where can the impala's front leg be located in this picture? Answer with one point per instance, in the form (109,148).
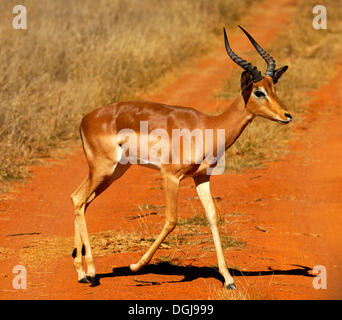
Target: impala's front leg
(203,190)
(171,185)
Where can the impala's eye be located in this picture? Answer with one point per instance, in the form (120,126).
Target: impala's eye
(259,94)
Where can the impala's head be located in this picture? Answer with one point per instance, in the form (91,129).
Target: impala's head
(258,91)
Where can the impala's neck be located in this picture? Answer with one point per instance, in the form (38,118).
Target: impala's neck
(234,120)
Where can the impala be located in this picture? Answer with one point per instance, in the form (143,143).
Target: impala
(108,158)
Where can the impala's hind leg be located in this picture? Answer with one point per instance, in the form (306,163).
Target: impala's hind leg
(171,185)
(100,177)
(77,252)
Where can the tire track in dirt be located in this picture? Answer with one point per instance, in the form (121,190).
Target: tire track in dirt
(307,184)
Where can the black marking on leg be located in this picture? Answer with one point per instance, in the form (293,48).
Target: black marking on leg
(74,253)
(83,250)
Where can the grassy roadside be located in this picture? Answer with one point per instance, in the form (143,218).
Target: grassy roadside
(311,56)
(78,55)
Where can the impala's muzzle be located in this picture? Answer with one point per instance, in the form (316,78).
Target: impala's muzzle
(288,118)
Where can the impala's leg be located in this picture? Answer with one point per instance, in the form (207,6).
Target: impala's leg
(77,252)
(203,190)
(101,174)
(171,185)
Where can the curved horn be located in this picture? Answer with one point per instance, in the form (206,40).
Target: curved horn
(269,60)
(256,74)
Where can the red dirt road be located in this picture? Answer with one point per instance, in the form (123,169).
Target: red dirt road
(289,214)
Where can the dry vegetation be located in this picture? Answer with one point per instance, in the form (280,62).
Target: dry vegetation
(246,291)
(311,56)
(42,250)
(78,55)
(75,57)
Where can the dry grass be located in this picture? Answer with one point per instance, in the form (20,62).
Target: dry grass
(311,56)
(245,292)
(78,55)
(42,250)
(197,220)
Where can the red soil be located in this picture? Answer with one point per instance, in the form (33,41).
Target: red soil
(296,200)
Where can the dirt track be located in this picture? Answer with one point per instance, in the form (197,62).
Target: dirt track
(289,213)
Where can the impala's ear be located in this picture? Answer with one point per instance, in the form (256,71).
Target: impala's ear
(246,80)
(246,84)
(278,73)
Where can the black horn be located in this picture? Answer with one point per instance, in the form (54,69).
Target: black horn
(256,74)
(269,60)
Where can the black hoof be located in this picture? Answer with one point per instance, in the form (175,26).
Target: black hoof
(83,280)
(93,281)
(230,286)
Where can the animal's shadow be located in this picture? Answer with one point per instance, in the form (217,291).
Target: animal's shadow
(191,273)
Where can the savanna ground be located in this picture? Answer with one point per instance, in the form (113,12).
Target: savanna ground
(279,201)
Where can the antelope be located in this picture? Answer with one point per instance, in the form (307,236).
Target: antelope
(108,160)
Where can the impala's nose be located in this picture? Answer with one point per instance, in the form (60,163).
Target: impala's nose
(288,116)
